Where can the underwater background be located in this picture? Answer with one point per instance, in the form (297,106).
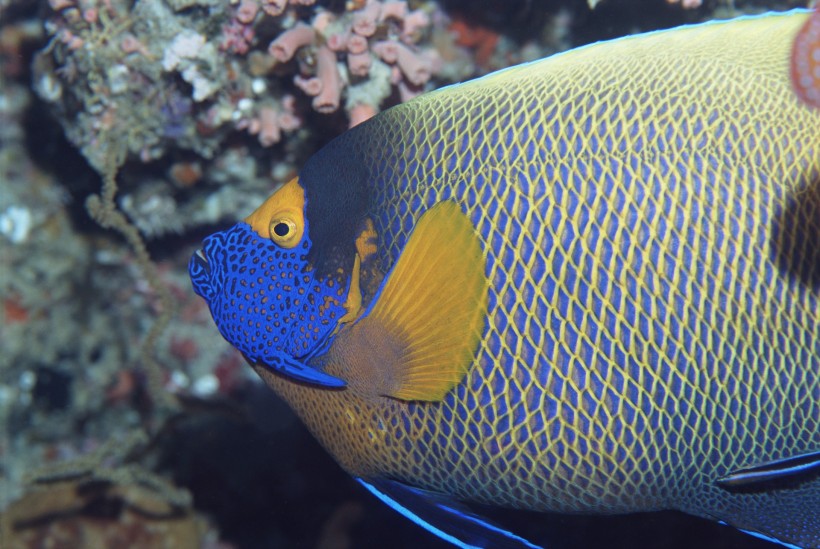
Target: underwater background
(129,130)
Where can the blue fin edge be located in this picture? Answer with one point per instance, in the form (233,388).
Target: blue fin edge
(762,536)
(299,371)
(420,506)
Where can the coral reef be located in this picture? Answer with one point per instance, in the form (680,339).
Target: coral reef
(179,83)
(91,513)
(103,505)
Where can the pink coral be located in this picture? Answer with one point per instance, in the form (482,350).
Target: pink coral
(407,92)
(395,10)
(288,120)
(91,15)
(386,50)
(246,12)
(312,86)
(355,38)
(237,37)
(130,44)
(364,22)
(72,41)
(277,7)
(357,44)
(687,4)
(328,99)
(269,130)
(413,25)
(359,60)
(415,67)
(338,42)
(285,46)
(274,7)
(58,5)
(361,112)
(270,122)
(359,63)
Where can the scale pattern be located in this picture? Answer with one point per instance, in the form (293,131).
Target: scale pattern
(650,213)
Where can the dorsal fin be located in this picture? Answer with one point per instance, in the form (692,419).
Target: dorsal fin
(433,304)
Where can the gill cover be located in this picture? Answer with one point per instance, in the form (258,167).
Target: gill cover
(262,292)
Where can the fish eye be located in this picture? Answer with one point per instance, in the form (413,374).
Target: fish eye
(285,232)
(281,229)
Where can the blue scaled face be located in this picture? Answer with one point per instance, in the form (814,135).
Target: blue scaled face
(264,298)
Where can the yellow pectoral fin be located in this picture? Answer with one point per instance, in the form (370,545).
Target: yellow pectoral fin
(434,305)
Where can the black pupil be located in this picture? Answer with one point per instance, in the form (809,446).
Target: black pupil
(281,229)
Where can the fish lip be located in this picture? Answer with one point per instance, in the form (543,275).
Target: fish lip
(202,260)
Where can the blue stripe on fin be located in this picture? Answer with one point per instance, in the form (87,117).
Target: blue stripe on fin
(444,517)
(764,537)
(792,467)
(296,370)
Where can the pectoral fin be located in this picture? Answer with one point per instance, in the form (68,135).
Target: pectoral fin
(432,306)
(444,517)
(792,469)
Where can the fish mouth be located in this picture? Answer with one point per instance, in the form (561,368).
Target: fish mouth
(201,260)
(199,269)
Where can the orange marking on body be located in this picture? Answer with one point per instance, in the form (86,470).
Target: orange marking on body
(367,241)
(805,61)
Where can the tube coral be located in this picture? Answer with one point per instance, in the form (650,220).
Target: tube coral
(285,46)
(327,100)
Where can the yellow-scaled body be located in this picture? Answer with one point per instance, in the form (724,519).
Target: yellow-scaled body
(649,214)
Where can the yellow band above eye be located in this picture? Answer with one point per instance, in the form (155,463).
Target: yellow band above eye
(286,205)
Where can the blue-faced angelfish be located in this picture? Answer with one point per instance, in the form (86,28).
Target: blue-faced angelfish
(587,284)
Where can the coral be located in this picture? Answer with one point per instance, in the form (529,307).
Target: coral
(153,82)
(147,81)
(686,4)
(44,268)
(87,502)
(340,50)
(15,223)
(91,513)
(103,210)
(475,36)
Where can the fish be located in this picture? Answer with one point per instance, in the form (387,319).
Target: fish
(264,297)
(805,61)
(585,284)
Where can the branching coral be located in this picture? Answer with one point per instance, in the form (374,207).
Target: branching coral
(103,209)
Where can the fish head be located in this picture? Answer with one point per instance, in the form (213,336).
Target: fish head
(263,293)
